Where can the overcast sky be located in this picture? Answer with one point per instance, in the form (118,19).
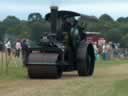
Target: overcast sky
(22,8)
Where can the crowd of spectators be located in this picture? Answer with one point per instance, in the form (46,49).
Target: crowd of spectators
(17,49)
(109,50)
(106,51)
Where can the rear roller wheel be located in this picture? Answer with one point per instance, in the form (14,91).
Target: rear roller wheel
(86,59)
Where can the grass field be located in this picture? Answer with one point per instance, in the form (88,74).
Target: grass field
(110,79)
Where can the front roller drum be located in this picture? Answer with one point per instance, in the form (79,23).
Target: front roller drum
(43,71)
(43,65)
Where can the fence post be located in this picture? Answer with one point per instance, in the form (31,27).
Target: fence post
(6,62)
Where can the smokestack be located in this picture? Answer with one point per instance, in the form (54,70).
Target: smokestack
(54,10)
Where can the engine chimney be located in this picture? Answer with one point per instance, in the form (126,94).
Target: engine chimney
(54,10)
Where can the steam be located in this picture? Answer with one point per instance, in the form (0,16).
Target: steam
(56,2)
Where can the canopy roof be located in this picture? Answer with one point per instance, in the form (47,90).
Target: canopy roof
(63,14)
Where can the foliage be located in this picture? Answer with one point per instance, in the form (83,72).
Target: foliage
(122,19)
(34,17)
(106,17)
(2,31)
(113,30)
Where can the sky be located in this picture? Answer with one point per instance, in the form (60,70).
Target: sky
(22,8)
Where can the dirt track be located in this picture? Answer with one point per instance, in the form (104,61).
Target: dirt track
(68,84)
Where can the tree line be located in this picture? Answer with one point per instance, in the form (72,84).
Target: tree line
(113,30)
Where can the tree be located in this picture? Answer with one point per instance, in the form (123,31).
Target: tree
(11,21)
(35,17)
(33,28)
(38,28)
(106,17)
(2,31)
(122,20)
(114,35)
(88,22)
(124,40)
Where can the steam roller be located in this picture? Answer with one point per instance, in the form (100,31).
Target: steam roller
(64,49)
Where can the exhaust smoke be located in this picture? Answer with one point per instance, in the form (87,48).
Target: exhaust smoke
(56,2)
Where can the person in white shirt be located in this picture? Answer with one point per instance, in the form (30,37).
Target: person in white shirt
(8,47)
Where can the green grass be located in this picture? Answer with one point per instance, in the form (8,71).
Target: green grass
(13,73)
(110,79)
(16,71)
(116,61)
(12,69)
(105,63)
(120,88)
